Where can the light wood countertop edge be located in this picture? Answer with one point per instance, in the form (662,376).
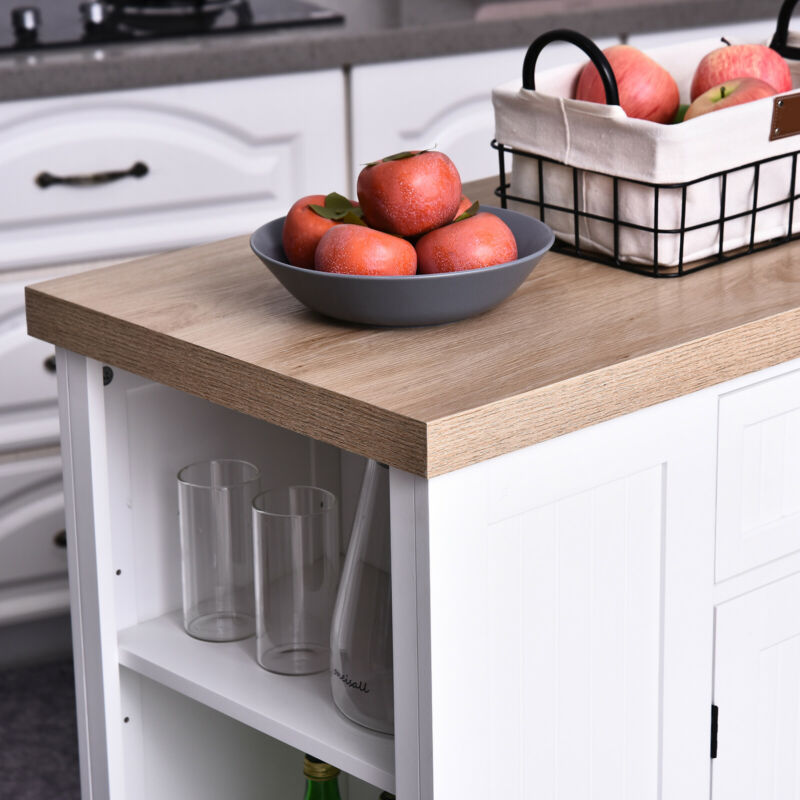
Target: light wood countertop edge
(479,434)
(289,403)
(441,445)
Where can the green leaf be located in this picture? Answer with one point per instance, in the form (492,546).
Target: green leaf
(398,157)
(327,213)
(339,209)
(336,201)
(351,218)
(470,212)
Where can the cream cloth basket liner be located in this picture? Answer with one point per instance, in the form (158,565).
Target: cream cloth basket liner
(602,139)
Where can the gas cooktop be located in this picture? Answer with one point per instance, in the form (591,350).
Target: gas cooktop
(59,24)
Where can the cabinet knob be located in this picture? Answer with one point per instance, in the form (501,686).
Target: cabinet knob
(60,539)
(50,364)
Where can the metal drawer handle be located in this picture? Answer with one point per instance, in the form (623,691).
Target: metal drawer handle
(45,179)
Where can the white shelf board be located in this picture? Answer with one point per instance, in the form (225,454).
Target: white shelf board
(297,710)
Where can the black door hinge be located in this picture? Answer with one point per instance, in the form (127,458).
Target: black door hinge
(714,728)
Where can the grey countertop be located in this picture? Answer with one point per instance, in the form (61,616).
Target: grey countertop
(373,31)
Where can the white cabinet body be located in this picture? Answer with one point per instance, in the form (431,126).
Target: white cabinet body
(554,615)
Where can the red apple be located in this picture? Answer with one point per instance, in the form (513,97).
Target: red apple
(302,230)
(358,250)
(741,61)
(646,89)
(304,227)
(409,193)
(731,93)
(479,241)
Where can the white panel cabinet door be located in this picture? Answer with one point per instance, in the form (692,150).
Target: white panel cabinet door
(571,614)
(757,690)
(117,173)
(443,102)
(758,491)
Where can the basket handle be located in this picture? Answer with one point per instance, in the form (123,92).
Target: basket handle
(587,45)
(780,39)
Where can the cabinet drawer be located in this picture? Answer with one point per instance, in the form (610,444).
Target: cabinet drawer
(221,158)
(31,518)
(25,363)
(758,475)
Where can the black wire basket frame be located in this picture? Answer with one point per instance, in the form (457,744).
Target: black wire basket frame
(720,220)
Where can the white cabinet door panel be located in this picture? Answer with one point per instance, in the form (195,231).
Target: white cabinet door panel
(758,491)
(443,102)
(222,158)
(757,689)
(571,614)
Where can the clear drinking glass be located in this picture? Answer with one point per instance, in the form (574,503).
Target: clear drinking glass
(296,544)
(362,676)
(214,506)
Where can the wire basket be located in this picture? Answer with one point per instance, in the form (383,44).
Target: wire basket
(603,181)
(656,233)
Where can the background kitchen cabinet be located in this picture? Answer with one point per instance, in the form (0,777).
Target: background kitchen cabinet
(443,102)
(391,112)
(758,30)
(222,158)
(32,542)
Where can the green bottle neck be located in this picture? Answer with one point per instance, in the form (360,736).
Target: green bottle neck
(323,790)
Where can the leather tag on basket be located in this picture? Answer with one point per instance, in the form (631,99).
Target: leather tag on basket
(785,116)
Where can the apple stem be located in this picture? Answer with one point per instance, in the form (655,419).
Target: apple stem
(722,91)
(723,39)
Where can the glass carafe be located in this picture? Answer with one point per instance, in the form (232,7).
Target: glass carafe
(361,632)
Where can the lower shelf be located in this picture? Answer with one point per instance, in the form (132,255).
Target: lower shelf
(227,678)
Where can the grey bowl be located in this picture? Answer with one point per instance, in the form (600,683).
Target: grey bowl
(410,299)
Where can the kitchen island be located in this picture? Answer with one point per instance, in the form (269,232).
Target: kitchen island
(595,527)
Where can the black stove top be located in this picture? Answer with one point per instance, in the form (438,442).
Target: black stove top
(68,23)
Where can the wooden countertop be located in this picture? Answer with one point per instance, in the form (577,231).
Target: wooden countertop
(577,344)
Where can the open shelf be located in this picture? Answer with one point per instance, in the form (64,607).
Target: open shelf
(227,678)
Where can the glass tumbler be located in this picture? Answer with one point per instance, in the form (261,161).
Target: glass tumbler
(214,507)
(296,545)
